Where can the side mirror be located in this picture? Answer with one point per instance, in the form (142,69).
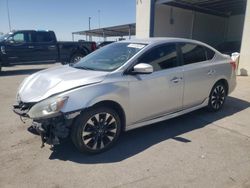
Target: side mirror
(10,40)
(143,68)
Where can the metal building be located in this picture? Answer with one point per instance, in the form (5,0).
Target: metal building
(210,21)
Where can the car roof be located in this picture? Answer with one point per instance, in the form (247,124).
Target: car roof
(162,40)
(14,31)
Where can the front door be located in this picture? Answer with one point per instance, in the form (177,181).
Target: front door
(19,47)
(159,93)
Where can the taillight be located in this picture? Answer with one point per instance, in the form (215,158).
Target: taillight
(93,46)
(233,64)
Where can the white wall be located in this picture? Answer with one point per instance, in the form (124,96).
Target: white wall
(244,66)
(209,28)
(182,21)
(143,18)
(188,24)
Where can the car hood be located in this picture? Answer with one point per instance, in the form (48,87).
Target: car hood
(48,82)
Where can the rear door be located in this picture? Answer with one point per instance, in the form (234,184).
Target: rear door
(159,93)
(45,46)
(19,47)
(198,73)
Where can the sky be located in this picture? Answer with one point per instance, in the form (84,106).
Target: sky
(65,16)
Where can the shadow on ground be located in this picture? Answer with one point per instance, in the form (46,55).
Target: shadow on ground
(18,72)
(136,141)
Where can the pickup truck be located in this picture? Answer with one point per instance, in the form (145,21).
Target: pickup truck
(32,46)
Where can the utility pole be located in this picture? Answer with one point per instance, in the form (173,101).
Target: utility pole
(99,20)
(90,38)
(8,11)
(89,22)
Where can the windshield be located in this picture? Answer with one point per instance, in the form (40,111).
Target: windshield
(110,57)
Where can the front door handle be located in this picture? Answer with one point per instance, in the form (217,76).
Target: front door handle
(30,47)
(52,47)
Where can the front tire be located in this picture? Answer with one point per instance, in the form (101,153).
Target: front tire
(96,130)
(217,97)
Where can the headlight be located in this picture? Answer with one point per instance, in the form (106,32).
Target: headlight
(48,108)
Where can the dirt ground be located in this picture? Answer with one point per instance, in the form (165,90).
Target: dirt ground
(200,149)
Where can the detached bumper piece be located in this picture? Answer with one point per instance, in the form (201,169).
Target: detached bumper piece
(51,130)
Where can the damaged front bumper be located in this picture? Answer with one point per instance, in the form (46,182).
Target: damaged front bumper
(50,129)
(22,109)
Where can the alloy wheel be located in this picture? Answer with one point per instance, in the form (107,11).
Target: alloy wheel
(218,97)
(99,131)
(77,59)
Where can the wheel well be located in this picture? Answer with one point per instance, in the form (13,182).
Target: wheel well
(224,82)
(81,51)
(117,107)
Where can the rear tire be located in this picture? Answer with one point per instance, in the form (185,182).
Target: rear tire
(217,97)
(76,58)
(96,130)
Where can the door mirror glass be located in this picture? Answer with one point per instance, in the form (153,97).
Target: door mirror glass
(142,68)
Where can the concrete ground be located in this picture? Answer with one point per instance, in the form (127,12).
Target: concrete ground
(200,149)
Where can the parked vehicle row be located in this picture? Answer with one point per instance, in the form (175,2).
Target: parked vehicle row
(123,86)
(32,46)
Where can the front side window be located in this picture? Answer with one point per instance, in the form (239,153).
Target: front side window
(192,53)
(110,57)
(162,57)
(19,37)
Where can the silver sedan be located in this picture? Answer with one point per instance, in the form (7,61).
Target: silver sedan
(123,86)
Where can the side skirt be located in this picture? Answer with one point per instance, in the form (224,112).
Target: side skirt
(166,117)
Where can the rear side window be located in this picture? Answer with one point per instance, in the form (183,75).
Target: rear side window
(209,53)
(162,57)
(43,37)
(193,53)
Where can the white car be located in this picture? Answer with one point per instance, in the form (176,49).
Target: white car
(123,86)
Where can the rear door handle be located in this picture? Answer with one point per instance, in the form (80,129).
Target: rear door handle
(176,79)
(211,72)
(30,47)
